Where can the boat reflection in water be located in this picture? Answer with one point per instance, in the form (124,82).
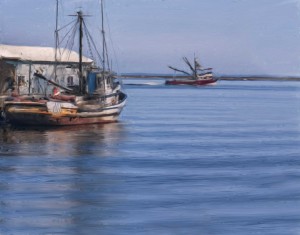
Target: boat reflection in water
(58,180)
(96,140)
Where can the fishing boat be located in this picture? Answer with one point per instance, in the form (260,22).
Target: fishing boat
(97,98)
(198,76)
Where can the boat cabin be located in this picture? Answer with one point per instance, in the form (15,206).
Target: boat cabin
(19,63)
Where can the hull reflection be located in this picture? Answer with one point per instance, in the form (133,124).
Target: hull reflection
(96,140)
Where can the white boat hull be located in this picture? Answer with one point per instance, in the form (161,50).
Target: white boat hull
(59,113)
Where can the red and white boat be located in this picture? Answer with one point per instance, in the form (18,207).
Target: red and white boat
(199,76)
(98,98)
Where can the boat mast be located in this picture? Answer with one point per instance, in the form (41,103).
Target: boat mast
(195,66)
(56,42)
(81,83)
(103,37)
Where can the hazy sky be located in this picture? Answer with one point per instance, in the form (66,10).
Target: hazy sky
(232,36)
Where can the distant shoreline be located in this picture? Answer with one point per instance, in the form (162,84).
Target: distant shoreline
(226,78)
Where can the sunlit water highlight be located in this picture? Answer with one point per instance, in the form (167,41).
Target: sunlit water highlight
(182,160)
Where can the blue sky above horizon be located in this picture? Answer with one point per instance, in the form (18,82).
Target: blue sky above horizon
(237,37)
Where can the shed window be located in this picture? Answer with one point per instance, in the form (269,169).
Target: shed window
(21,81)
(70,81)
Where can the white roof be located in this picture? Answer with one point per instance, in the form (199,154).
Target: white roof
(41,54)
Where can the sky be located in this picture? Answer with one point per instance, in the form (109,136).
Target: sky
(234,37)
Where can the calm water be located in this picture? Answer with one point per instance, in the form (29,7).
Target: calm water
(182,160)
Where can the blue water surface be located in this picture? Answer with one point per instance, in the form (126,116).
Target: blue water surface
(221,159)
